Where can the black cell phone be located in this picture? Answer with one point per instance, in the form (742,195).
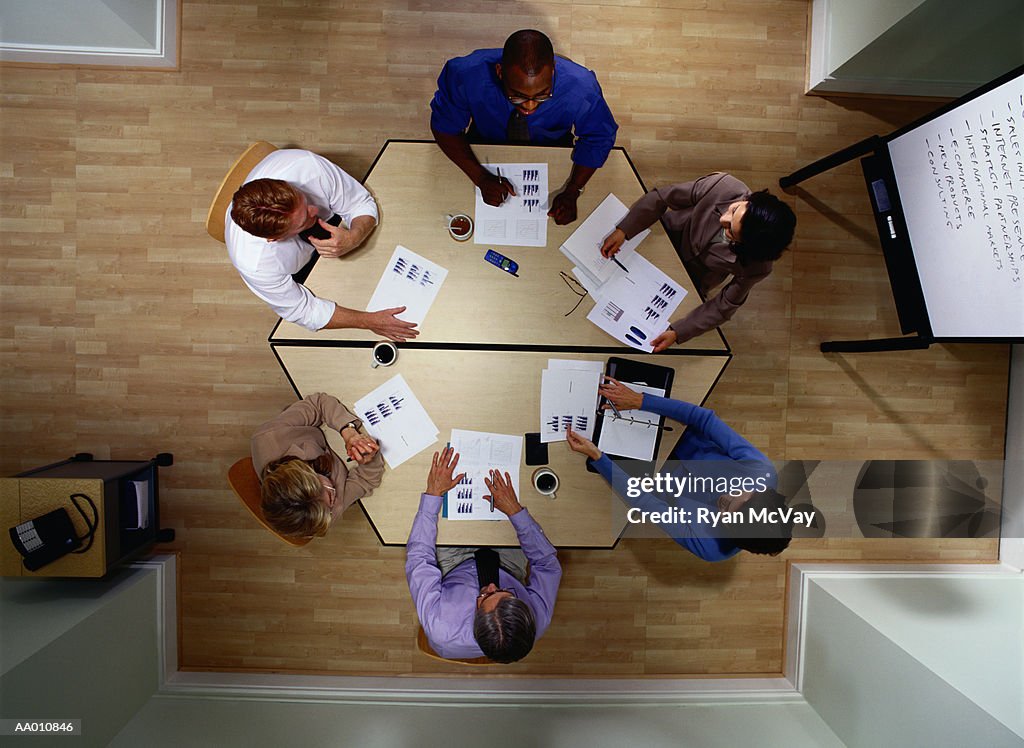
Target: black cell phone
(316,231)
(536,451)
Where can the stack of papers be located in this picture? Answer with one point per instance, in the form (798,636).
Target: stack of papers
(522,220)
(634,305)
(479,453)
(568,398)
(411,281)
(393,416)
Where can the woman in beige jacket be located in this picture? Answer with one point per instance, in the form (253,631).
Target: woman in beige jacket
(306,486)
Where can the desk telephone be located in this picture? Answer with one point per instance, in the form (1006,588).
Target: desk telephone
(45,539)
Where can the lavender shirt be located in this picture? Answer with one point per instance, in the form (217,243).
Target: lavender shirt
(446,606)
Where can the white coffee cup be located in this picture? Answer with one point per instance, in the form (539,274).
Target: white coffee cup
(545,482)
(460,226)
(385,353)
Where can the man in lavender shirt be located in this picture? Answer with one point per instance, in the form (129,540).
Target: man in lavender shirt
(465,612)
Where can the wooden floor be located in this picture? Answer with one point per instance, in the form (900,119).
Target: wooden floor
(126,331)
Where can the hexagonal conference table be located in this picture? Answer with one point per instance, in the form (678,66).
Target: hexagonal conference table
(477,362)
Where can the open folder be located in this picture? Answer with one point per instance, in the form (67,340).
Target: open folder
(634,434)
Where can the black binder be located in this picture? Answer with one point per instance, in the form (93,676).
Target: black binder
(629,371)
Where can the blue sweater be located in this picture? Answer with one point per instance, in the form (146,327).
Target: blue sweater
(707,437)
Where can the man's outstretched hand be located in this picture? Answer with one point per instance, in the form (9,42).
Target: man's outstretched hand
(386,323)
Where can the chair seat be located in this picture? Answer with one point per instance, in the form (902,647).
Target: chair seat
(229,186)
(423,644)
(246,485)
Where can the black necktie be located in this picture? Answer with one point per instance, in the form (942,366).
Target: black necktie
(517,130)
(486,567)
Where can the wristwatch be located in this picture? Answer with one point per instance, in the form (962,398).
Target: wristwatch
(354,425)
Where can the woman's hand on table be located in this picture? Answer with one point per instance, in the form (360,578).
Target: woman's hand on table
(664,340)
(613,243)
(359,447)
(583,445)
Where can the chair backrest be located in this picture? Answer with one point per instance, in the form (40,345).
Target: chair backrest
(230,184)
(246,485)
(423,644)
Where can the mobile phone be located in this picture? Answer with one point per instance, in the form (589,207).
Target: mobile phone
(316,231)
(536,451)
(499,260)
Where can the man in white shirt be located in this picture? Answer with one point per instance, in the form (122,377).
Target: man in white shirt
(286,195)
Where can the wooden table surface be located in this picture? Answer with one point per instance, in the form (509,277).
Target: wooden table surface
(478,360)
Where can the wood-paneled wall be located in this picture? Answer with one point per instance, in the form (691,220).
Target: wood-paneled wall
(126,331)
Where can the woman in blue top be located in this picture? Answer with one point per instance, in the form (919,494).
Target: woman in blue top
(749,476)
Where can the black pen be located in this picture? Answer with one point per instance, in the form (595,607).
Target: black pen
(615,260)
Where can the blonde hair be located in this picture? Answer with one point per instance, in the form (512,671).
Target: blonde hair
(290,495)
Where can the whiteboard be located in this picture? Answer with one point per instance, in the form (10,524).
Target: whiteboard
(960,178)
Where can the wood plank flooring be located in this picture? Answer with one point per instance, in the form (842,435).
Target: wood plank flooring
(125,331)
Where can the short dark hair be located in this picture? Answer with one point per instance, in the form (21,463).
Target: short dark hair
(506,633)
(766,229)
(529,49)
(771,537)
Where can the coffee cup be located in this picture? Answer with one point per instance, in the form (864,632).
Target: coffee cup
(545,482)
(460,226)
(385,353)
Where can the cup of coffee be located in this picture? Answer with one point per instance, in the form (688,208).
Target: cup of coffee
(385,353)
(460,226)
(545,482)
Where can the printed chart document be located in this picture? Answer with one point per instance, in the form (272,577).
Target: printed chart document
(479,453)
(568,398)
(522,220)
(395,417)
(411,281)
(635,433)
(584,246)
(636,307)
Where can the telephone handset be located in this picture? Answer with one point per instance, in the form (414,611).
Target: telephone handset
(43,540)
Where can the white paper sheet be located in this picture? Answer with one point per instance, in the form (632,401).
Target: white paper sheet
(522,220)
(634,433)
(409,280)
(584,246)
(479,453)
(568,398)
(393,415)
(635,308)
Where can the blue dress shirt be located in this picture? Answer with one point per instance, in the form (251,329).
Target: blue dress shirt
(707,437)
(468,89)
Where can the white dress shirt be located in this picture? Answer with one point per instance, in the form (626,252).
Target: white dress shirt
(267,267)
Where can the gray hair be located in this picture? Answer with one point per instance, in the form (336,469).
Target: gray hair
(505,634)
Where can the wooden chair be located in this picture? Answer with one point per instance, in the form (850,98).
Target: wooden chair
(246,485)
(235,176)
(424,646)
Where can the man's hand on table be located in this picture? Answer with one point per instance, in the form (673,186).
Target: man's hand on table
(440,478)
(563,207)
(583,445)
(500,488)
(385,322)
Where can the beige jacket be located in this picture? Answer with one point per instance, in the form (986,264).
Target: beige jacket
(691,213)
(296,432)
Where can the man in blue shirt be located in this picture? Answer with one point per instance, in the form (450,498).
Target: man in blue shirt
(734,460)
(522,94)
